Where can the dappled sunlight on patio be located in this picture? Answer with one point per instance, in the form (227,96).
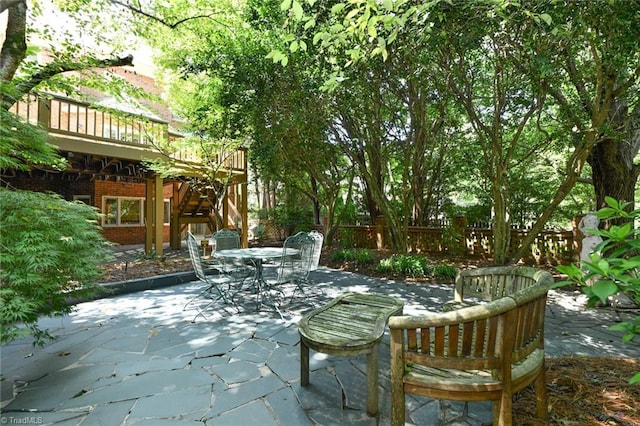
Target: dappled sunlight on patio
(122,350)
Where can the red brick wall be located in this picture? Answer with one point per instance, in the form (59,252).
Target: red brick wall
(120,234)
(126,235)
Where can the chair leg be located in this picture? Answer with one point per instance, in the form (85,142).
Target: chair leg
(502,410)
(541,394)
(372,381)
(304,364)
(212,298)
(397,404)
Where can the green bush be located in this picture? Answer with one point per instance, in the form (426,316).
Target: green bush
(444,271)
(613,266)
(415,265)
(346,238)
(405,264)
(51,252)
(293,218)
(360,256)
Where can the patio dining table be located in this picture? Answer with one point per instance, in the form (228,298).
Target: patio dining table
(256,256)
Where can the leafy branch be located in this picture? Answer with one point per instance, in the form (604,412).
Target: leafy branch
(613,266)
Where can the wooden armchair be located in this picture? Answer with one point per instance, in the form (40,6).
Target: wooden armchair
(479,285)
(484,352)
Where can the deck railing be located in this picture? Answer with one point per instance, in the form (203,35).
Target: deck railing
(67,117)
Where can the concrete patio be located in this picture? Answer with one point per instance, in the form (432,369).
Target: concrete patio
(138,359)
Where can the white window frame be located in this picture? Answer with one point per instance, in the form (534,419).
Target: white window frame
(119,201)
(166,211)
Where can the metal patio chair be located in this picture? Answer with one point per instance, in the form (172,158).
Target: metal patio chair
(216,285)
(235,269)
(318,239)
(295,268)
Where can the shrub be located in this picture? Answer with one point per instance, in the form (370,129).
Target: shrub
(406,264)
(414,265)
(613,266)
(51,251)
(360,256)
(346,238)
(444,271)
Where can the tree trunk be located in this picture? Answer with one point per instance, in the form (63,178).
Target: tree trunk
(14,47)
(501,224)
(613,175)
(316,203)
(612,169)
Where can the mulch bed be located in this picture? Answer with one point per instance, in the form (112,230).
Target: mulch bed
(585,391)
(581,390)
(143,268)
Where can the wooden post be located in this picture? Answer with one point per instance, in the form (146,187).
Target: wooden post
(159,213)
(148,216)
(245,215)
(459,226)
(174,230)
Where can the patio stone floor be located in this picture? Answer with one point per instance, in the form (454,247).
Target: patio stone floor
(138,359)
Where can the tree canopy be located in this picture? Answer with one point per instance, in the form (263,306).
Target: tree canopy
(413,111)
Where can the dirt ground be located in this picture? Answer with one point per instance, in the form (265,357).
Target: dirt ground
(581,390)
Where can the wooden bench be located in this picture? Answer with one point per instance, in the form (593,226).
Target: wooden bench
(351,324)
(485,352)
(480,285)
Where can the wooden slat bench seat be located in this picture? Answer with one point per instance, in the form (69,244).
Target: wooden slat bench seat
(474,286)
(351,324)
(484,352)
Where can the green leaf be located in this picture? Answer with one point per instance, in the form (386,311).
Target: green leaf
(572,271)
(635,379)
(630,263)
(310,23)
(546,18)
(604,289)
(372,31)
(351,14)
(612,202)
(297,10)
(318,37)
(605,213)
(337,8)
(285,5)
(622,232)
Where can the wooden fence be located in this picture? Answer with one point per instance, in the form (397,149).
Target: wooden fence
(549,247)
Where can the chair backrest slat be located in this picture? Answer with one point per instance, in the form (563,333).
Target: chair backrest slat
(492,283)
(318,239)
(226,239)
(194,256)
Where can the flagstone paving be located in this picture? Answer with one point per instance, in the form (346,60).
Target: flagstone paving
(138,359)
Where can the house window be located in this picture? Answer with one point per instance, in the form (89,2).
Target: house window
(122,211)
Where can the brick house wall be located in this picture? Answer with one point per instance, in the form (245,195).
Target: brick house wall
(96,190)
(126,235)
